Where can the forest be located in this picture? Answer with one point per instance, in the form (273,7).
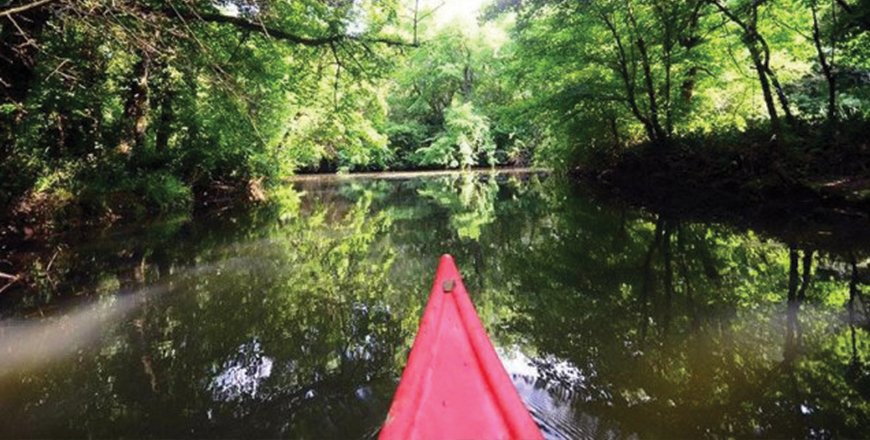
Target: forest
(221,218)
(122,108)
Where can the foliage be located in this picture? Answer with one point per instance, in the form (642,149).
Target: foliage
(609,74)
(470,202)
(466,137)
(120,92)
(446,104)
(108,94)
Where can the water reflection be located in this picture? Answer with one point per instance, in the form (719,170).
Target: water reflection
(242,375)
(552,401)
(295,319)
(694,331)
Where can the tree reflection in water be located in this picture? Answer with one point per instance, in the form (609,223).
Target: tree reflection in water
(295,319)
(694,330)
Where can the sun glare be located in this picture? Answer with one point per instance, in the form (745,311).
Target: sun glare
(455,9)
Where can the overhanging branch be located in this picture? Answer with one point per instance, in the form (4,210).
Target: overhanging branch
(279,34)
(23,8)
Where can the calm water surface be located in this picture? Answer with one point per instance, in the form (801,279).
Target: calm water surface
(295,319)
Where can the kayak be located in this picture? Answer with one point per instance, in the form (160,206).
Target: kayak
(454,386)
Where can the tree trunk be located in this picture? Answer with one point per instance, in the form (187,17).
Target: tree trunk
(689,42)
(651,91)
(136,108)
(792,338)
(614,130)
(807,276)
(826,64)
(649,81)
(628,80)
(165,102)
(688,86)
(669,110)
(752,39)
(164,127)
(765,88)
(793,274)
(467,82)
(780,93)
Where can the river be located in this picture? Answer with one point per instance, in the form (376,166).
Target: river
(294,319)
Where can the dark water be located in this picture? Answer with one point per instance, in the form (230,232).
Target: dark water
(295,319)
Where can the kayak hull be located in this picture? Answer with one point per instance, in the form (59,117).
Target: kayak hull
(454,385)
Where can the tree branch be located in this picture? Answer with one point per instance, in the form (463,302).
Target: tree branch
(627,78)
(846,7)
(22,8)
(279,34)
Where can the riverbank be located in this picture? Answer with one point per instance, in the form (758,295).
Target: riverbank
(393,175)
(46,213)
(797,183)
(30,236)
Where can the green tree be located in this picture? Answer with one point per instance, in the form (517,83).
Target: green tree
(200,93)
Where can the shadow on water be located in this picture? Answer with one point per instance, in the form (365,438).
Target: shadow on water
(295,319)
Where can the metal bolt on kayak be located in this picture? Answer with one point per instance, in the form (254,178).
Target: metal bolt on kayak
(448,286)
(455,386)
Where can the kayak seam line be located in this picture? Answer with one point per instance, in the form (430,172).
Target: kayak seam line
(485,372)
(426,389)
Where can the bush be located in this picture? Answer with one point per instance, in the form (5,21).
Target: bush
(165,191)
(466,137)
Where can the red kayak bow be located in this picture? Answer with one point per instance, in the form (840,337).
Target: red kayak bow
(454,386)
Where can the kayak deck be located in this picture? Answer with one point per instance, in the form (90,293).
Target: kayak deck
(454,385)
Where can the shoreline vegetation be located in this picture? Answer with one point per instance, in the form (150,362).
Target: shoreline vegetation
(43,212)
(746,173)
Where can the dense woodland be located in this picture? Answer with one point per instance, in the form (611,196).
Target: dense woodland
(122,106)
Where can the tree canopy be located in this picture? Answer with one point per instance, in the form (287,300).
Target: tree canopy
(164,99)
